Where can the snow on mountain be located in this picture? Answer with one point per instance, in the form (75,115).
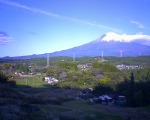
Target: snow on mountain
(111,36)
(111,44)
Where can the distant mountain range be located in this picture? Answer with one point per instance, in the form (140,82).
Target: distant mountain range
(111,44)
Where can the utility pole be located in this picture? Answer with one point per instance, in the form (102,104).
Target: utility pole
(48,65)
(102,56)
(74,57)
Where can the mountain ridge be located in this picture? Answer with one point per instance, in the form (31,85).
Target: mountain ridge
(110,43)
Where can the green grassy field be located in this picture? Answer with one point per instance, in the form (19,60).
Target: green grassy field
(30,81)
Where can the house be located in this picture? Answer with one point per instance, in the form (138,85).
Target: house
(51,80)
(121,100)
(121,67)
(105,99)
(47,78)
(83,67)
(19,72)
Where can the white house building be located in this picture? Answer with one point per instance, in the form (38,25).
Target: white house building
(51,80)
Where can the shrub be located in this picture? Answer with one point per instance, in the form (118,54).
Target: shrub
(3,77)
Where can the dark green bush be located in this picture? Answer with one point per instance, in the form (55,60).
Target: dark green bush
(3,77)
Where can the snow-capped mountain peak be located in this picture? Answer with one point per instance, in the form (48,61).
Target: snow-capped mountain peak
(111,36)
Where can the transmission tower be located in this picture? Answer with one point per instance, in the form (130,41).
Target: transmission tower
(120,56)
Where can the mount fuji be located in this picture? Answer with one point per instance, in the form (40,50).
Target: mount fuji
(112,44)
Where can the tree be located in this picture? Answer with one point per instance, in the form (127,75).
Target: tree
(85,77)
(52,72)
(109,68)
(104,81)
(115,79)
(96,64)
(132,89)
(22,67)
(105,66)
(142,75)
(68,65)
(3,77)
(7,66)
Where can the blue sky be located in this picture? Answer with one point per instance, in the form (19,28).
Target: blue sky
(36,26)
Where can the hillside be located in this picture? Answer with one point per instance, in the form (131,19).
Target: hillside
(38,103)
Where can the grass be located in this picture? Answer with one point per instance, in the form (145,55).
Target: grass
(77,110)
(53,102)
(84,105)
(59,105)
(30,81)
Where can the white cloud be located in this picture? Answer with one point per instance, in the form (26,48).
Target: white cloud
(56,15)
(139,25)
(4,38)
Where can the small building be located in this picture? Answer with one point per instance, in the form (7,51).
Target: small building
(83,67)
(105,99)
(19,72)
(47,78)
(51,80)
(121,99)
(122,67)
